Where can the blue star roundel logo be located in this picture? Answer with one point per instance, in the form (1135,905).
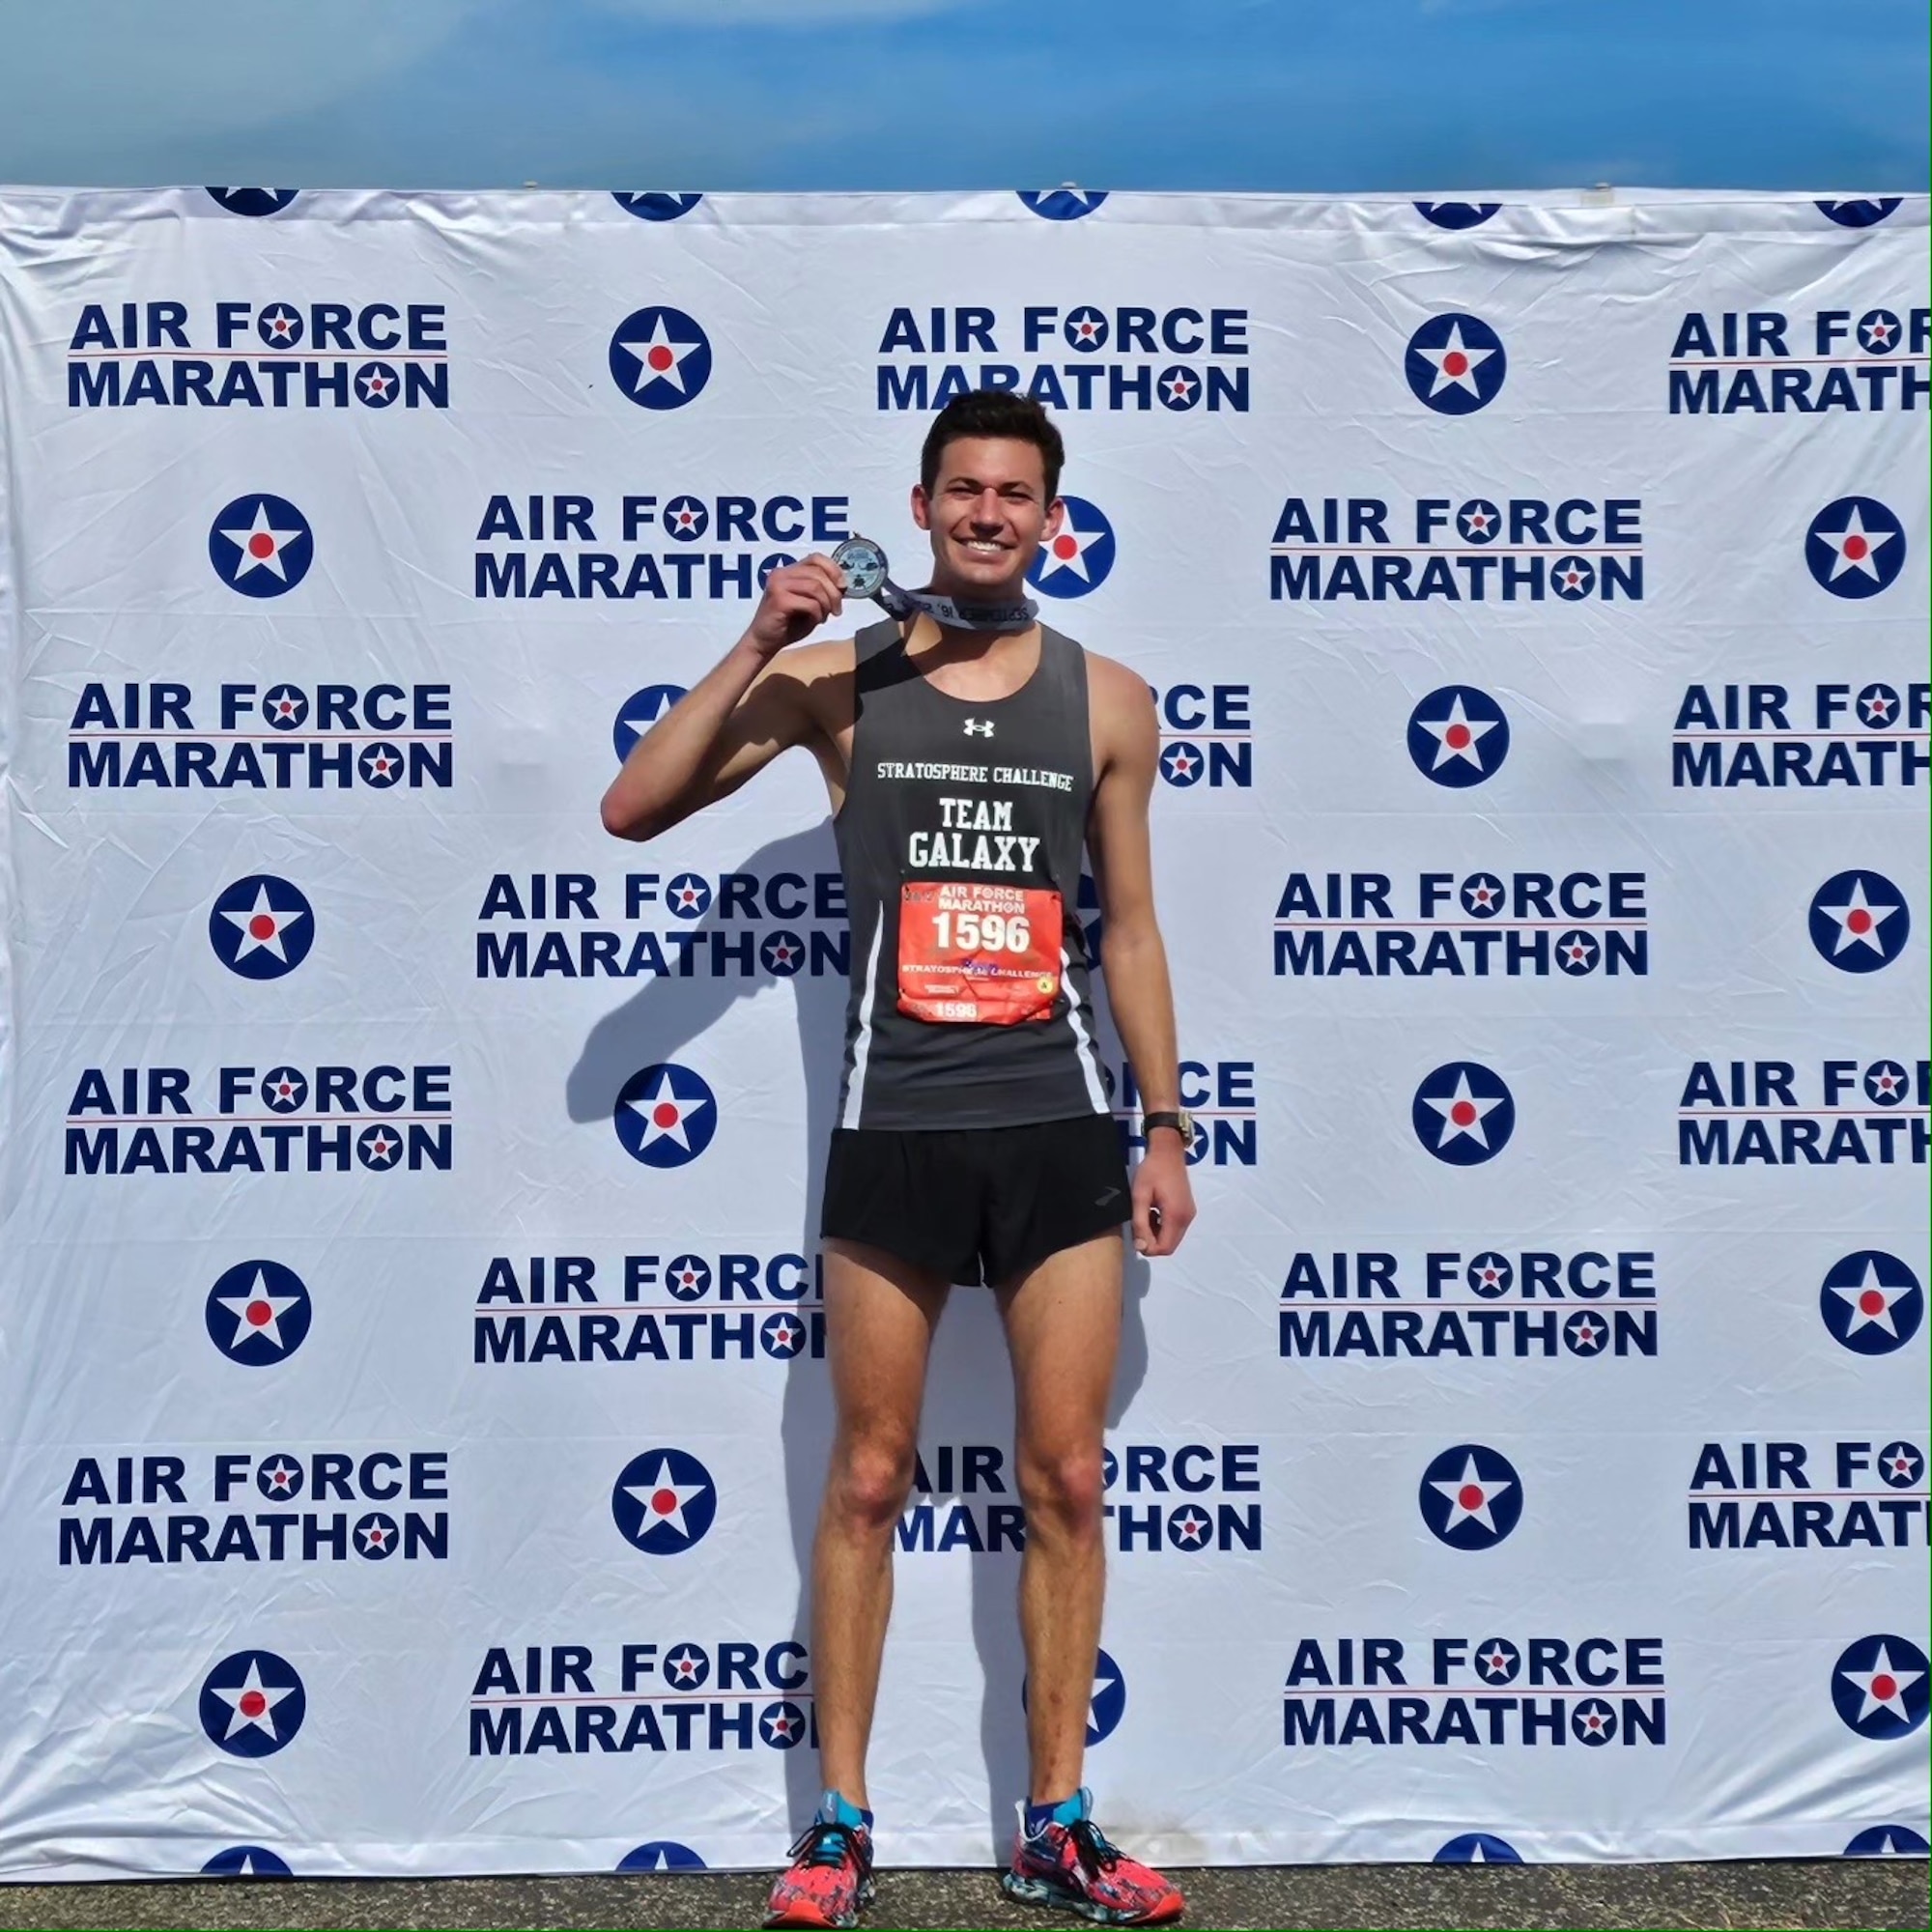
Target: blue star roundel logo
(639,712)
(654,205)
(1887,1842)
(1062,204)
(660,358)
(254,200)
(687,1277)
(246,1861)
(1464,1114)
(1456,364)
(783,1335)
(1106,1703)
(688,894)
(1860,921)
(1879,332)
(252,1703)
(664,1501)
(1472,1496)
(1868,213)
(1478,1848)
(1879,1686)
(257,1313)
(1457,736)
(665,1115)
(1183,764)
(1079,558)
(1871,1302)
(1855,547)
(661,1853)
(261,546)
(1456,214)
(261,926)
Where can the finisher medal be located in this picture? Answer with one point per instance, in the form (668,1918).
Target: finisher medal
(863,564)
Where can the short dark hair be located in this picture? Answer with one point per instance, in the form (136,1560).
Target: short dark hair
(996,412)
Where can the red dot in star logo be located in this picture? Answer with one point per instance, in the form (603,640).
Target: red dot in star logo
(261,926)
(1871,1302)
(1463,1113)
(1857,549)
(260,544)
(659,357)
(1065,546)
(1883,1688)
(663,1114)
(1471,1496)
(1457,737)
(1455,363)
(664,1501)
(259,1314)
(252,1704)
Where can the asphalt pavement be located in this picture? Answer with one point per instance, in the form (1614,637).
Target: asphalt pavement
(1838,1892)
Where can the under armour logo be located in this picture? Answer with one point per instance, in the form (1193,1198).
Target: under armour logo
(978,727)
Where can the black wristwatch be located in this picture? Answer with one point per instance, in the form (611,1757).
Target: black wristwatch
(1183,1123)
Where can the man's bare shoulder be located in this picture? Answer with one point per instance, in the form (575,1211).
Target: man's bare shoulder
(820,679)
(809,664)
(1118,695)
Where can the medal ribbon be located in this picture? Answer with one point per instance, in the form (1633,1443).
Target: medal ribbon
(954,614)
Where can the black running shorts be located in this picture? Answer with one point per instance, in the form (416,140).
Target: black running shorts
(976,1205)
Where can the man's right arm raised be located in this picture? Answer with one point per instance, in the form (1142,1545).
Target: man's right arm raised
(735,720)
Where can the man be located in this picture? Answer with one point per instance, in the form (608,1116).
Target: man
(969,752)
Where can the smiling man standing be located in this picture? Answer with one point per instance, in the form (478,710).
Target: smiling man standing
(970,753)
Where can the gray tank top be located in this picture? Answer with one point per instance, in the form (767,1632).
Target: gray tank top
(947,796)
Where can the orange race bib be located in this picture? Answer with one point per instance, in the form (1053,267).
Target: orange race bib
(989,953)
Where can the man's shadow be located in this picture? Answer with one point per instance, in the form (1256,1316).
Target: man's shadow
(968,1395)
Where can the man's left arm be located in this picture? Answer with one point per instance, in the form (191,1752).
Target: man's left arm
(1126,739)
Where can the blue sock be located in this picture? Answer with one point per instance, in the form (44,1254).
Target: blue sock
(834,1809)
(1068,1812)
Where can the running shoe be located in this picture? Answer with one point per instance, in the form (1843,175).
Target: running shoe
(830,1878)
(1071,1866)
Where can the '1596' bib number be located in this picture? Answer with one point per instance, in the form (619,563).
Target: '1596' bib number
(989,953)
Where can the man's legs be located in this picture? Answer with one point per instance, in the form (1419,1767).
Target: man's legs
(1062,1328)
(880,1313)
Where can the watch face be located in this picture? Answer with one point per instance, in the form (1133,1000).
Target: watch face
(862,563)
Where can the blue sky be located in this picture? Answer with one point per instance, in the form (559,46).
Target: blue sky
(1284,95)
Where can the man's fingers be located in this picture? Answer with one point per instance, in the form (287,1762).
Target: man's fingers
(827,575)
(1160,1218)
(804,597)
(1141,1196)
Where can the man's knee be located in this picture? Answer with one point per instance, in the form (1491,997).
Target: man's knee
(869,1482)
(1064,1488)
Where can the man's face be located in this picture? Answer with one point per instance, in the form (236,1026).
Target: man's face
(988,514)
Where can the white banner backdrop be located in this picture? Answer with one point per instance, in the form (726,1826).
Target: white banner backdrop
(412,1444)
